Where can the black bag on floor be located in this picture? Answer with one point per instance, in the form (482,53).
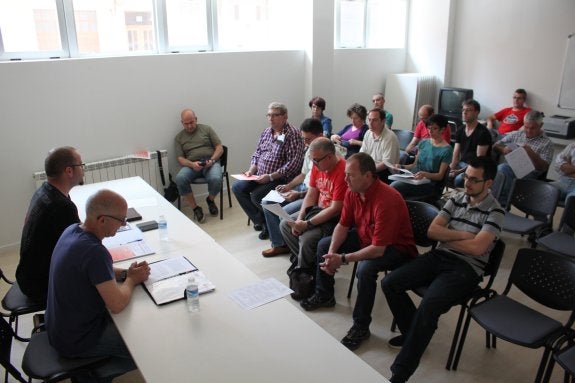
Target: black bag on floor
(302,282)
(171,192)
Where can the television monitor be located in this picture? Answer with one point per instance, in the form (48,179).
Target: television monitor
(450,100)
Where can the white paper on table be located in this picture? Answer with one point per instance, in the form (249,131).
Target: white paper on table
(243,177)
(277,210)
(274,196)
(520,162)
(132,234)
(168,268)
(259,293)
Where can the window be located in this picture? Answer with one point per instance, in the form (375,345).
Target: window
(371,23)
(80,28)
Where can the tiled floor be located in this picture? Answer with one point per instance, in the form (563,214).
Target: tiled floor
(507,363)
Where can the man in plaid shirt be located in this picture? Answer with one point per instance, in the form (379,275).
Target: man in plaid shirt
(277,160)
(538,146)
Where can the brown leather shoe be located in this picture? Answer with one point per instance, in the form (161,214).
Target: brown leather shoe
(272,252)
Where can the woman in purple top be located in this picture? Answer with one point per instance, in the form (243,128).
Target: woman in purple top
(351,136)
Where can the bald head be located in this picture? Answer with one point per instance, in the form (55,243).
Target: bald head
(189,120)
(106,202)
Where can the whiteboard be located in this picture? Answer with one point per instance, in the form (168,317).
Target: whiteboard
(567,90)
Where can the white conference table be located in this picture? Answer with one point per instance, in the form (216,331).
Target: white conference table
(222,342)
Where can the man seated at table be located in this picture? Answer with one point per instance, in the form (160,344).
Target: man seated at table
(510,119)
(374,230)
(50,212)
(198,150)
(293,192)
(538,146)
(277,160)
(83,287)
(466,229)
(321,206)
(380,143)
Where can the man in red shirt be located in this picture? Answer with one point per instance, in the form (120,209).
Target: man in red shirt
(511,119)
(381,239)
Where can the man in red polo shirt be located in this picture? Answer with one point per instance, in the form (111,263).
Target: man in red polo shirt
(381,239)
(510,119)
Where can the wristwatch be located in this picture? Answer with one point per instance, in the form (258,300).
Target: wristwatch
(123,276)
(343,260)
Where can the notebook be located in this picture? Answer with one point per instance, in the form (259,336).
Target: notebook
(169,278)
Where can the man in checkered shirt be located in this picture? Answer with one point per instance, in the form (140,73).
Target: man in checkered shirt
(538,146)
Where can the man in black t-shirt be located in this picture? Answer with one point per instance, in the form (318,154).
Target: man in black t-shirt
(50,212)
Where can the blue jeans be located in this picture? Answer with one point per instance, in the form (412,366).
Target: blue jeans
(110,344)
(458,181)
(367,272)
(567,187)
(273,221)
(249,195)
(506,170)
(213,176)
(449,280)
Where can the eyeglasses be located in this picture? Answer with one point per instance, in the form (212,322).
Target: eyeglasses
(473,180)
(316,162)
(123,221)
(82,165)
(270,115)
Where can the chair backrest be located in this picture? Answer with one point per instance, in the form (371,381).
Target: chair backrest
(497,185)
(404,137)
(421,214)
(224,159)
(567,224)
(545,277)
(6,336)
(495,257)
(535,198)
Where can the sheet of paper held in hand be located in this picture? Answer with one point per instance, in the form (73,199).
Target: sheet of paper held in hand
(274,196)
(277,209)
(243,177)
(259,293)
(520,162)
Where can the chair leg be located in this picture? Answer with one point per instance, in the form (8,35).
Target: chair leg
(461,342)
(349,290)
(229,190)
(393,325)
(222,201)
(456,337)
(544,364)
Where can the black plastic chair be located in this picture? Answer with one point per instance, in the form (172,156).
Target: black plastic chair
(562,241)
(434,197)
(564,355)
(7,334)
(537,199)
(41,361)
(404,137)
(225,175)
(497,185)
(16,303)
(421,214)
(544,277)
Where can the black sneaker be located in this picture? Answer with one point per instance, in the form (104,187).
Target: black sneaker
(355,336)
(264,233)
(199,214)
(212,207)
(395,342)
(315,302)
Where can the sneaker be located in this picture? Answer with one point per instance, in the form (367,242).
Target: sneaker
(355,336)
(395,342)
(264,233)
(199,214)
(212,207)
(315,302)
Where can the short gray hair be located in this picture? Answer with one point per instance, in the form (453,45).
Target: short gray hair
(322,144)
(278,106)
(534,116)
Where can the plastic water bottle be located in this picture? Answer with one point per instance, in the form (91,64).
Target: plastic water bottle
(192,295)
(163,228)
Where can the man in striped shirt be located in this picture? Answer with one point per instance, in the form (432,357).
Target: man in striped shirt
(466,229)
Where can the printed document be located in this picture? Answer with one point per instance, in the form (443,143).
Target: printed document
(277,210)
(520,162)
(259,293)
(274,196)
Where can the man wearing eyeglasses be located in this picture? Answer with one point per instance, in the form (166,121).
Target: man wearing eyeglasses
(83,288)
(537,145)
(378,101)
(321,206)
(277,160)
(510,119)
(50,212)
(466,230)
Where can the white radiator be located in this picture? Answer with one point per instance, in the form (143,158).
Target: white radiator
(404,95)
(122,167)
